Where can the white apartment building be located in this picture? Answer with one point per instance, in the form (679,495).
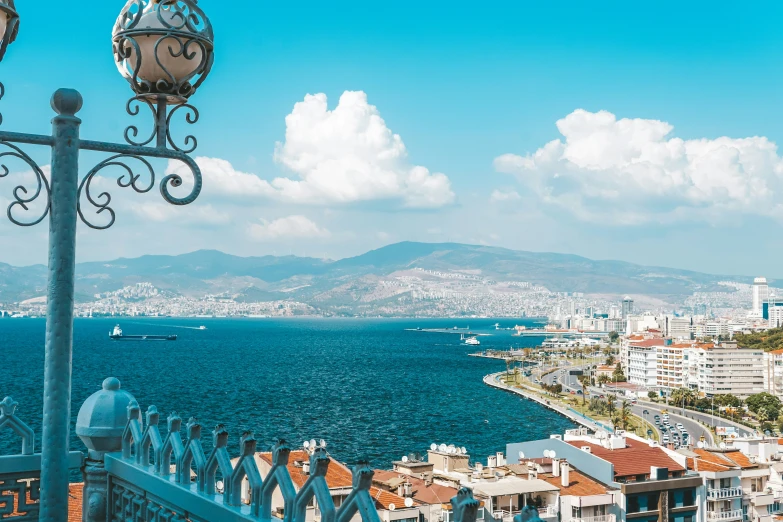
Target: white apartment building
(676,327)
(775,316)
(640,360)
(725,369)
(773,373)
(659,364)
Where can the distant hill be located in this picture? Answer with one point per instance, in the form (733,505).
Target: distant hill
(304,278)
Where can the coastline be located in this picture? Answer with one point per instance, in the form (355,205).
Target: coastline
(492,380)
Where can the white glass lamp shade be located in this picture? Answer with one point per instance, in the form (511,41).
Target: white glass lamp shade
(164,57)
(3,25)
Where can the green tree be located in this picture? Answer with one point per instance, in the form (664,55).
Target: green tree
(603,378)
(610,360)
(613,336)
(766,403)
(625,414)
(618,374)
(652,395)
(584,380)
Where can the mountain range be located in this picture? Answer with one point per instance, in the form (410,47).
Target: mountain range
(303,278)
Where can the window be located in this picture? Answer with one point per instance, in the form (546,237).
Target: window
(575,512)
(652,501)
(688,498)
(632,504)
(688,518)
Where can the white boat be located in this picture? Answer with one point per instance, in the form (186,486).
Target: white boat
(470,341)
(202,327)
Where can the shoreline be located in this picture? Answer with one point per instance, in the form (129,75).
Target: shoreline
(492,381)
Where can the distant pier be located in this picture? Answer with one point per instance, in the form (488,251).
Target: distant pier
(461,331)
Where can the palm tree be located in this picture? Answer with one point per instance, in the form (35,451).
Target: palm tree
(603,378)
(625,413)
(584,380)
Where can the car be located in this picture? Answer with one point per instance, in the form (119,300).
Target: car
(572,392)
(665,439)
(602,397)
(679,425)
(633,401)
(579,392)
(656,416)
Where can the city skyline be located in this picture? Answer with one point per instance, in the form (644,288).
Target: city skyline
(353,133)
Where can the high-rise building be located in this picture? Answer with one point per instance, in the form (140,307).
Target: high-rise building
(627,307)
(760,295)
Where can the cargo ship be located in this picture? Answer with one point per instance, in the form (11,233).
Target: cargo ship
(116,335)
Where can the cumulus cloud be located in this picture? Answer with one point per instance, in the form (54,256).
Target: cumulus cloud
(632,171)
(344,155)
(291,227)
(349,154)
(499,196)
(193,214)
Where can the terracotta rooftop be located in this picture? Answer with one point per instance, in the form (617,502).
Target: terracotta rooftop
(337,476)
(75,502)
(635,459)
(740,459)
(648,343)
(776,352)
(579,485)
(432,494)
(718,461)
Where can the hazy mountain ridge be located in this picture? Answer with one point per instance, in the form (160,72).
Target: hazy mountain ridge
(350,280)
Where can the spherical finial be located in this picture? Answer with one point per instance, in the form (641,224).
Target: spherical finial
(66,101)
(103,416)
(111,383)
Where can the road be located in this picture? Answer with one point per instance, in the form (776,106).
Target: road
(692,426)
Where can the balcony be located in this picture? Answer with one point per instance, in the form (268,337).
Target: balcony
(724,493)
(735,514)
(602,518)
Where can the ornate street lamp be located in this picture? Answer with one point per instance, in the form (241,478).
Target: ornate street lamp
(164,48)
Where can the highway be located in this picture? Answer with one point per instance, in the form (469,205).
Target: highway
(694,429)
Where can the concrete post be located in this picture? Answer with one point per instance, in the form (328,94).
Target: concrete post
(100,424)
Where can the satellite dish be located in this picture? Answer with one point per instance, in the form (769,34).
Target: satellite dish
(312,443)
(219,486)
(392,507)
(452,449)
(521,454)
(552,454)
(433,447)
(408,502)
(546,454)
(306,444)
(464,450)
(404,458)
(323,443)
(722,445)
(442,448)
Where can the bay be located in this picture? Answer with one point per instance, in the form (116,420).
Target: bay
(372,389)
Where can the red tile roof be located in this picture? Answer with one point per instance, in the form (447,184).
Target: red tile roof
(337,476)
(648,343)
(432,494)
(579,485)
(635,459)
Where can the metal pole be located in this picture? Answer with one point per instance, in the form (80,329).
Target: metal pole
(59,306)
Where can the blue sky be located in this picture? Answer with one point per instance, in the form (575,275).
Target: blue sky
(470,90)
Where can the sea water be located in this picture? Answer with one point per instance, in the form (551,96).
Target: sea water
(370,387)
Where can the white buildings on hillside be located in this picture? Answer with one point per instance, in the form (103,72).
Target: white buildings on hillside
(760,296)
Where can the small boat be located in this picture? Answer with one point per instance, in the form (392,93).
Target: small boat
(117,335)
(470,341)
(202,327)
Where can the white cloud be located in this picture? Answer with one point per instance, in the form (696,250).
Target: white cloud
(222,179)
(631,171)
(349,154)
(291,227)
(194,214)
(498,196)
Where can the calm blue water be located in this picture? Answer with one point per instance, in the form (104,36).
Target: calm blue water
(368,387)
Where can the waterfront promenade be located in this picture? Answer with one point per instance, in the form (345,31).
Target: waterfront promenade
(493,380)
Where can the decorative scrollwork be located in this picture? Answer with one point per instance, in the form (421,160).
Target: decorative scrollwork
(191,117)
(22,196)
(2,94)
(127,179)
(133,107)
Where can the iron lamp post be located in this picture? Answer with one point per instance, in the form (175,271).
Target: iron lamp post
(164,48)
